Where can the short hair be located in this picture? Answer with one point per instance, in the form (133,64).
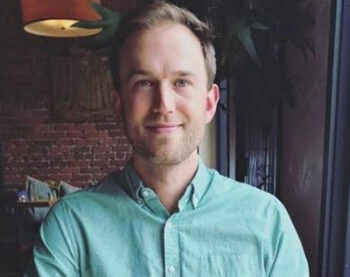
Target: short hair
(153,15)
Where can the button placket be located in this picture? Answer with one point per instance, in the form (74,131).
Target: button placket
(171,249)
(171,268)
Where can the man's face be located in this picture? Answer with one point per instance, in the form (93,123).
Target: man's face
(164,99)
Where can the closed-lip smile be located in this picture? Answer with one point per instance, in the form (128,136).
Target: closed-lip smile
(163,127)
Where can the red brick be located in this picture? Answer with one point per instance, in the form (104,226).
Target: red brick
(81,177)
(65,127)
(62,149)
(50,170)
(121,155)
(89,134)
(106,126)
(14,179)
(87,156)
(123,141)
(79,156)
(85,127)
(64,177)
(80,163)
(71,170)
(109,170)
(98,177)
(42,128)
(74,134)
(63,141)
(117,162)
(122,148)
(56,135)
(30,171)
(39,113)
(99,163)
(11,170)
(101,149)
(93,170)
(98,156)
(86,141)
(81,149)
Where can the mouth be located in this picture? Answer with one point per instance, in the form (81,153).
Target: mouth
(164,128)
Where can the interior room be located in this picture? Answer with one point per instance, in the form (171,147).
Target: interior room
(282,123)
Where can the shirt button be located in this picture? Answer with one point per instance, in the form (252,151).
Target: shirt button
(140,201)
(145,193)
(171,269)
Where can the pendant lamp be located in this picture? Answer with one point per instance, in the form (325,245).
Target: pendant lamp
(53,18)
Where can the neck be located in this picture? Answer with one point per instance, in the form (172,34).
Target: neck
(168,181)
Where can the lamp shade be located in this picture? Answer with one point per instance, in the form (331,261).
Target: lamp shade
(53,18)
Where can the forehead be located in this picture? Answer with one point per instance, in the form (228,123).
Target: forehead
(166,42)
(163,29)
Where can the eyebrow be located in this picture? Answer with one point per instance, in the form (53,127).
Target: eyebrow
(181,73)
(137,72)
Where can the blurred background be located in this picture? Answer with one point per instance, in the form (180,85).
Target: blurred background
(282,125)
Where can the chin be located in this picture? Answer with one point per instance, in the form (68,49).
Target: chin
(166,157)
(163,161)
(163,158)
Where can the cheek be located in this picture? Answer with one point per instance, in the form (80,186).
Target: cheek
(136,107)
(193,113)
(196,108)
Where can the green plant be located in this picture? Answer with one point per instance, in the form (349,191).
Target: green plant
(250,42)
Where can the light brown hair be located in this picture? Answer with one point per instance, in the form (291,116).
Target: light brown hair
(153,15)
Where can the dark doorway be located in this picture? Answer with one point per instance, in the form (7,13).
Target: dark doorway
(335,250)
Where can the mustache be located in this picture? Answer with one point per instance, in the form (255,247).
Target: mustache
(162,119)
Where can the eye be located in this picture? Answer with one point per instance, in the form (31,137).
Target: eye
(181,83)
(144,83)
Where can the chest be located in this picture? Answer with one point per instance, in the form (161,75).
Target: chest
(195,244)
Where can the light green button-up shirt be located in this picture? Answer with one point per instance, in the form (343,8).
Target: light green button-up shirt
(120,228)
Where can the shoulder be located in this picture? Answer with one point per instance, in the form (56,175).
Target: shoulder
(111,184)
(224,185)
(108,189)
(243,197)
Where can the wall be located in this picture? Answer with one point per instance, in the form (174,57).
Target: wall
(34,143)
(303,134)
(207,148)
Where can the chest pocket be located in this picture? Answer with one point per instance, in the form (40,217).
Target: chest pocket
(228,266)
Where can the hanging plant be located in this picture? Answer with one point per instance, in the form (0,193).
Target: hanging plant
(250,39)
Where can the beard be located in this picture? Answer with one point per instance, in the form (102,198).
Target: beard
(164,150)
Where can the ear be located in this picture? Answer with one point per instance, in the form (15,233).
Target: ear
(117,104)
(213,96)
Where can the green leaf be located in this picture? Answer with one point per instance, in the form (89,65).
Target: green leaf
(245,37)
(259,26)
(238,25)
(109,23)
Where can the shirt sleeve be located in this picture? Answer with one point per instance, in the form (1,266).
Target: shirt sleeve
(55,253)
(285,254)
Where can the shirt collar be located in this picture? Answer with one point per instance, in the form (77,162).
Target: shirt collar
(194,191)
(200,183)
(133,181)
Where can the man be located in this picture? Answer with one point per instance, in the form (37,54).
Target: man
(166,214)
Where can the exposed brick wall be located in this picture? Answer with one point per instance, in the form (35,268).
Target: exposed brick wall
(33,143)
(76,153)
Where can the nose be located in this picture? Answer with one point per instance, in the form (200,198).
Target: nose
(163,100)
